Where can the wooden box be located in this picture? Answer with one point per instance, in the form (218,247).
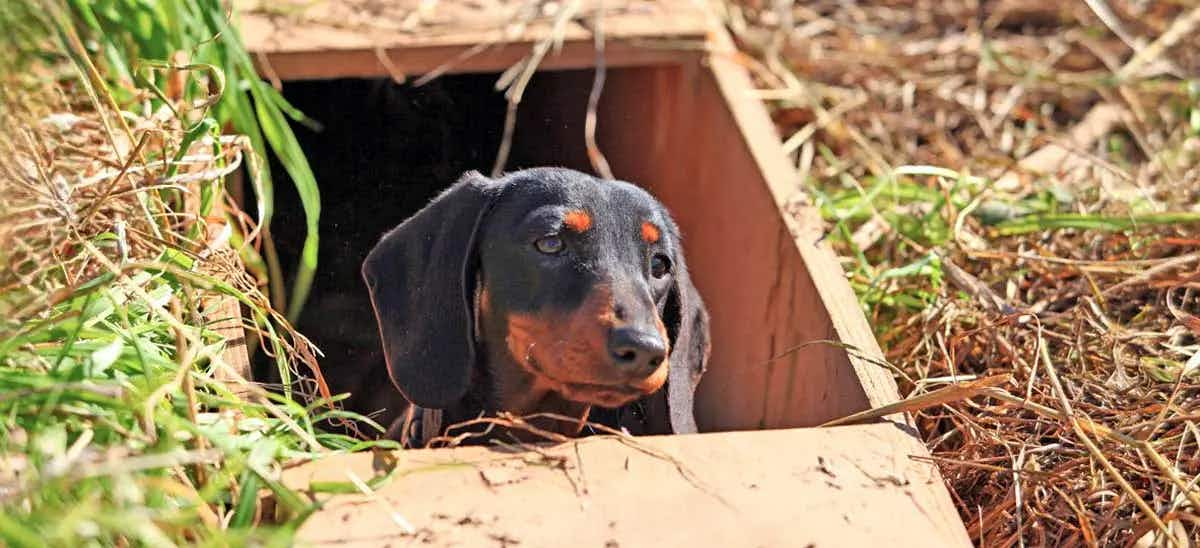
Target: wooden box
(791,347)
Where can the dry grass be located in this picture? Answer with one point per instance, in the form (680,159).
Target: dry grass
(1014,185)
(121,419)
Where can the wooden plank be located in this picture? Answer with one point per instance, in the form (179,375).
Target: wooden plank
(688,128)
(226,315)
(223,314)
(366,63)
(344,39)
(677,132)
(804,224)
(846,486)
(694,135)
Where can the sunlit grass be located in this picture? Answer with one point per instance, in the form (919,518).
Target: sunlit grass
(121,419)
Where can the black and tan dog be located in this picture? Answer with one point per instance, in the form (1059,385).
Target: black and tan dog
(546,290)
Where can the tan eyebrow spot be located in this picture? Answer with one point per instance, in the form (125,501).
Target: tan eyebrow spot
(650,232)
(577,220)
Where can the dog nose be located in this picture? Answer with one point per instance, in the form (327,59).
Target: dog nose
(637,351)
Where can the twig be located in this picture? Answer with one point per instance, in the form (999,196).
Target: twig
(1110,20)
(595,156)
(183,359)
(405,526)
(523,72)
(1181,27)
(397,75)
(1150,273)
(1069,414)
(941,396)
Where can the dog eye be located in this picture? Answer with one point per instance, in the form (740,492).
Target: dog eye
(660,265)
(549,245)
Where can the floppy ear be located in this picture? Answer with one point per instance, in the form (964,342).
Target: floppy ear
(421,277)
(686,320)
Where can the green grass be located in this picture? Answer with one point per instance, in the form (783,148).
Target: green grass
(115,427)
(96,414)
(125,34)
(903,274)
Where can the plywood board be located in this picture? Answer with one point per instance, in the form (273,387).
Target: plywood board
(684,124)
(359,38)
(672,131)
(826,277)
(681,121)
(223,314)
(790,345)
(846,486)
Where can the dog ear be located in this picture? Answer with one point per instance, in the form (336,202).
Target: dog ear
(421,276)
(686,320)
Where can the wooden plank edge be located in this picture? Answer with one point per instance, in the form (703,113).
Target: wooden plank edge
(224,312)
(848,320)
(806,225)
(852,485)
(408,61)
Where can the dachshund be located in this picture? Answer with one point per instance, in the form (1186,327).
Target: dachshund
(546,290)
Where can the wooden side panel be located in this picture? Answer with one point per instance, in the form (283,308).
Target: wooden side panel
(671,130)
(804,222)
(225,312)
(399,39)
(406,63)
(224,316)
(687,128)
(846,486)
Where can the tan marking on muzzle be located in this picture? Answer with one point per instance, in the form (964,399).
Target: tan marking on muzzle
(569,352)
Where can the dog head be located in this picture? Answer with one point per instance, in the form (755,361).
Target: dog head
(579,284)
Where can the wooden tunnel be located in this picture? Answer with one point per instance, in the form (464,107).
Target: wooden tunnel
(678,117)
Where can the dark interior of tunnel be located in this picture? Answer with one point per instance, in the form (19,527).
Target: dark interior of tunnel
(383,151)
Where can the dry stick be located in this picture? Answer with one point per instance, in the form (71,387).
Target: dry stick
(583,420)
(1109,267)
(94,83)
(824,118)
(445,67)
(508,420)
(984,466)
(133,156)
(599,162)
(1167,265)
(397,75)
(1069,415)
(510,123)
(1182,27)
(948,394)
(1085,527)
(986,387)
(397,518)
(448,440)
(1110,20)
(969,283)
(264,65)
(1165,466)
(501,37)
(1017,506)
(183,359)
(524,73)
